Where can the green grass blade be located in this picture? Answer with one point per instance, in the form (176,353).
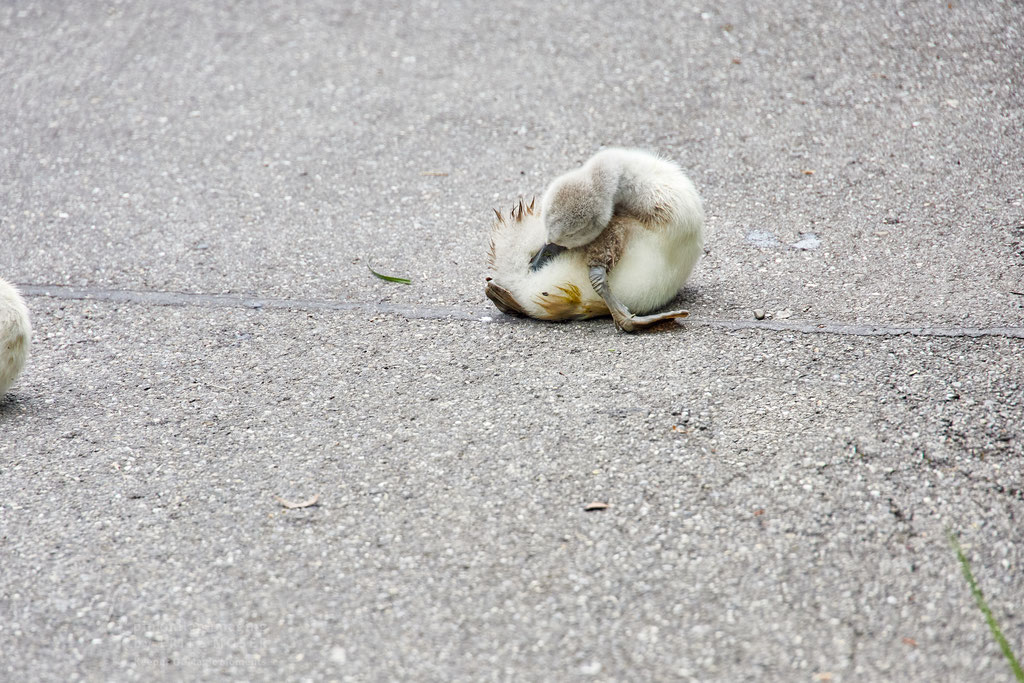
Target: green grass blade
(983,606)
(389,278)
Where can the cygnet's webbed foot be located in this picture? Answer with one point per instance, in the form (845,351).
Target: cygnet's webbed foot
(624,320)
(636,322)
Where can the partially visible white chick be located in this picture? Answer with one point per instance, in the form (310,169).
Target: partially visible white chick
(15,335)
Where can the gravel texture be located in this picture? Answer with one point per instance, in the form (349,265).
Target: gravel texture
(777,501)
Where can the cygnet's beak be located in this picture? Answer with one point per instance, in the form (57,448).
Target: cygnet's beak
(546,253)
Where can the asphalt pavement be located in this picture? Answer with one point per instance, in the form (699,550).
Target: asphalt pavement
(235,454)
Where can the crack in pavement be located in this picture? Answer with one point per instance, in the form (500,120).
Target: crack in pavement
(157,298)
(822,327)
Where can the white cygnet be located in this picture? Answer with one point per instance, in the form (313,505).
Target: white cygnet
(15,335)
(619,236)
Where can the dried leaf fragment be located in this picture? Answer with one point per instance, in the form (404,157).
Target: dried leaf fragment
(292,505)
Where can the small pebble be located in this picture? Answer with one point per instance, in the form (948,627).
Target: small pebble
(759,314)
(783,314)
